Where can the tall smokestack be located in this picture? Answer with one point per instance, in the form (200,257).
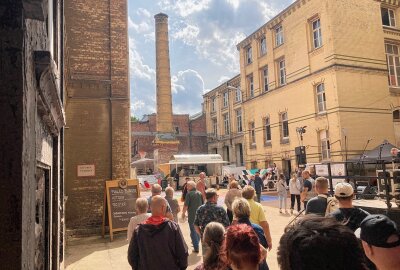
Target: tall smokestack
(163,76)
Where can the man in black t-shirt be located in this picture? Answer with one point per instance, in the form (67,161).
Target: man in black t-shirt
(318,204)
(349,215)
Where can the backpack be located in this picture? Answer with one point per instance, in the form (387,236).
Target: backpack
(331,206)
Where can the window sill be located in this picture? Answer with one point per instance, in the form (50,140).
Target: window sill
(394,90)
(321,114)
(285,141)
(268,144)
(278,46)
(253,146)
(262,55)
(316,51)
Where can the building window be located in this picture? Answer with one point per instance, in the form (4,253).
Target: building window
(176,130)
(321,99)
(393,62)
(388,17)
(267,130)
(282,72)
(325,145)
(226,124)
(225,99)
(396,115)
(213,104)
(284,126)
(249,55)
(238,95)
(265,79)
(279,35)
(263,46)
(317,34)
(215,127)
(239,120)
(252,132)
(250,85)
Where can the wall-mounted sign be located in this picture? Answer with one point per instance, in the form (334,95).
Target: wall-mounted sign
(86,170)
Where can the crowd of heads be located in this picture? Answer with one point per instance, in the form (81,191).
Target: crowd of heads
(311,242)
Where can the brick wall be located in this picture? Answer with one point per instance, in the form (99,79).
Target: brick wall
(144,132)
(97,105)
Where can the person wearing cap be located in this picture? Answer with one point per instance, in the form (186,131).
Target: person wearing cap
(347,213)
(380,239)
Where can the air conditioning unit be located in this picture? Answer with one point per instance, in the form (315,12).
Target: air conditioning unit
(393,182)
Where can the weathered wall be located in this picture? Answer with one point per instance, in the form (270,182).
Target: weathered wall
(30,128)
(97,105)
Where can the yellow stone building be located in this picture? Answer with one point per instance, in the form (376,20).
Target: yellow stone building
(224,121)
(322,65)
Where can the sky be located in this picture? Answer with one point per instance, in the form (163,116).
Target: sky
(203,35)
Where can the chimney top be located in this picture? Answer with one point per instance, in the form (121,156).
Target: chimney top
(160,15)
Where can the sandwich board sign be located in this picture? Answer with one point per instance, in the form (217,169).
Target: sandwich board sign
(119,204)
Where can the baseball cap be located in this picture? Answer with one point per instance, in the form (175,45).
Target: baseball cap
(343,190)
(376,230)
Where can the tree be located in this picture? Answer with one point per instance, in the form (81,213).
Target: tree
(134,118)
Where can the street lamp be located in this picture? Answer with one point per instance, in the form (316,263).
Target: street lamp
(301,131)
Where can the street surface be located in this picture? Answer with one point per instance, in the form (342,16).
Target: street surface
(101,254)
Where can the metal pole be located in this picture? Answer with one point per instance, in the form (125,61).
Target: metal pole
(330,178)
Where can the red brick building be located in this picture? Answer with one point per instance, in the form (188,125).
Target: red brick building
(190,132)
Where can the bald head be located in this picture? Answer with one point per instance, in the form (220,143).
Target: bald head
(156,189)
(202,175)
(158,206)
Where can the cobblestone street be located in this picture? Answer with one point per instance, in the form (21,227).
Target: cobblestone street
(101,254)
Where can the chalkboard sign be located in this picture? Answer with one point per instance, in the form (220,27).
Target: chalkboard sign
(119,204)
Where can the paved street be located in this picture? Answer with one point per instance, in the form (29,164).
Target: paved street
(101,254)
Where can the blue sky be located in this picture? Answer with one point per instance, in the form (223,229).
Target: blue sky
(202,37)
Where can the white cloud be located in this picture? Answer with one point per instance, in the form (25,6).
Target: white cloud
(185,8)
(143,12)
(223,79)
(138,69)
(140,27)
(187,34)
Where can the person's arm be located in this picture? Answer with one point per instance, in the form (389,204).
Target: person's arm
(197,228)
(133,251)
(264,224)
(184,211)
(181,250)
(305,191)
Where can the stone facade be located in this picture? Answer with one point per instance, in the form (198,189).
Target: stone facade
(223,107)
(31,124)
(190,132)
(97,106)
(326,69)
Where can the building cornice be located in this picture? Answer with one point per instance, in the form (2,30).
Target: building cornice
(223,86)
(389,2)
(272,22)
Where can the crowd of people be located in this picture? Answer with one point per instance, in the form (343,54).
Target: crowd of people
(331,235)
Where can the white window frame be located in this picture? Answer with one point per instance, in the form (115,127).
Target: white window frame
(227,128)
(239,127)
(279,40)
(325,145)
(284,125)
(250,83)
(249,55)
(282,71)
(215,126)
(252,133)
(238,94)
(321,98)
(267,129)
(213,103)
(316,33)
(263,46)
(265,79)
(225,99)
(391,15)
(393,64)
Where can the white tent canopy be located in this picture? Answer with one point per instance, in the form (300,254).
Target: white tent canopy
(197,159)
